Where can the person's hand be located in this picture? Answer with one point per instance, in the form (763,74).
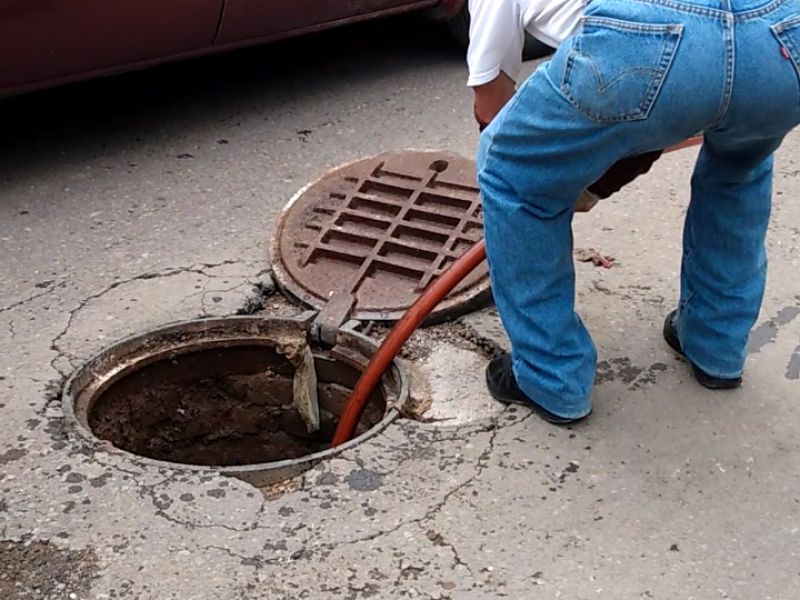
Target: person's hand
(491,97)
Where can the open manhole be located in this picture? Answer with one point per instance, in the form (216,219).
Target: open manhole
(217,394)
(383,229)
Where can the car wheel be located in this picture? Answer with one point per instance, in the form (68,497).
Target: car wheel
(458,27)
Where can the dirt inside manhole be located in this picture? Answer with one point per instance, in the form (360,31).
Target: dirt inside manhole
(223,407)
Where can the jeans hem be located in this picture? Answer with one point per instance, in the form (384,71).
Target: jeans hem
(718,374)
(548,401)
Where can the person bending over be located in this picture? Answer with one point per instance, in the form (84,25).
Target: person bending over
(629,78)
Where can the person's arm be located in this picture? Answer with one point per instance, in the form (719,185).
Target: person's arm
(494,56)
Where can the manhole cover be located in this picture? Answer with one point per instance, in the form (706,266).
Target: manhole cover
(218,393)
(383,228)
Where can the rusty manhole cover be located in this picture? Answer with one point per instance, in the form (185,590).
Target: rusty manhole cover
(383,228)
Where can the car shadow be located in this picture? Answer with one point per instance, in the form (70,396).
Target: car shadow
(41,129)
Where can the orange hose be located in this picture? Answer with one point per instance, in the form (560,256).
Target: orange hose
(412,319)
(695,141)
(398,336)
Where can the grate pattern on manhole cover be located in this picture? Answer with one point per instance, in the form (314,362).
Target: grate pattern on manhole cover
(383,228)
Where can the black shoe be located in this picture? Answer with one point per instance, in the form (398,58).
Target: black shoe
(503,387)
(703,378)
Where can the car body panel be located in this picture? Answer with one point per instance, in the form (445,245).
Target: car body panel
(138,35)
(42,40)
(447,9)
(248,19)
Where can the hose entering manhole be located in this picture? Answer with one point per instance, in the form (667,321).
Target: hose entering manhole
(410,321)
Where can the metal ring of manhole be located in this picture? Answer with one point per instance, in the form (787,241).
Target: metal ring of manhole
(383,228)
(216,394)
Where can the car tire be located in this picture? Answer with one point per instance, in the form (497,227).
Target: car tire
(458,27)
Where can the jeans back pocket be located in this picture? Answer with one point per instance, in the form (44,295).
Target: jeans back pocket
(615,69)
(788,34)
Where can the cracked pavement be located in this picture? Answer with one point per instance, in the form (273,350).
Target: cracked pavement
(153,200)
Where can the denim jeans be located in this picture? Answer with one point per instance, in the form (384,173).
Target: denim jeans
(640,75)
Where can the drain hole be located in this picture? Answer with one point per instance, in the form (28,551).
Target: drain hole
(223,407)
(440,166)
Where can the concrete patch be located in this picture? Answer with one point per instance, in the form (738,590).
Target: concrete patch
(456,382)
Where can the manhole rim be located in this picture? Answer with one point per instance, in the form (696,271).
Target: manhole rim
(466,302)
(258,474)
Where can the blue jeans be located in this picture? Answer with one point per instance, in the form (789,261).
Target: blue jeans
(640,75)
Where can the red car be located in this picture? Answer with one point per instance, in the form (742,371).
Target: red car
(45,44)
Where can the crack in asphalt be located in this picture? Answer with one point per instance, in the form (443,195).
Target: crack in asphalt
(205,291)
(206,304)
(434,537)
(49,290)
(480,466)
(420,522)
(199,268)
(161,506)
(256,562)
(437,539)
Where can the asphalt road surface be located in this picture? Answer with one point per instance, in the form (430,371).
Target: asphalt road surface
(130,202)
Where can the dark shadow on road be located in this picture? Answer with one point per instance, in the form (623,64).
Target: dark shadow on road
(106,115)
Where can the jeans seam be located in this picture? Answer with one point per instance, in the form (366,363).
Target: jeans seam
(730,68)
(713,13)
(665,66)
(757,13)
(786,24)
(511,104)
(682,307)
(682,312)
(621,25)
(716,13)
(779,30)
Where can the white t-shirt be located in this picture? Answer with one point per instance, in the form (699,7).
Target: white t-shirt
(497,32)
